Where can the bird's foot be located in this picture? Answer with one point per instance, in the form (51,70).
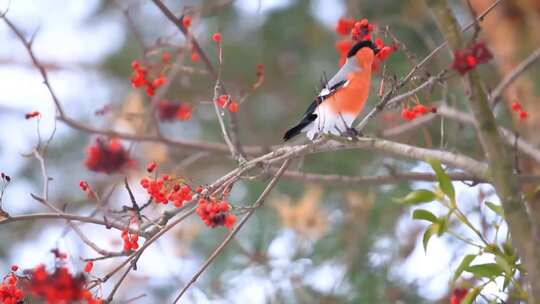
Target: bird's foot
(351,133)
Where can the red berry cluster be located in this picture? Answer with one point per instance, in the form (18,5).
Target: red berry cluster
(416,111)
(516,107)
(466,60)
(215,213)
(168,111)
(362,30)
(131,240)
(384,50)
(458,294)
(225,101)
(141,78)
(165,189)
(32,114)
(359,30)
(107,156)
(57,287)
(9,293)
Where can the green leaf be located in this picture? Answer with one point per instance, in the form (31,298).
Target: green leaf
(488,270)
(467,260)
(422,214)
(495,208)
(505,266)
(445,183)
(443,225)
(430,231)
(471,295)
(417,197)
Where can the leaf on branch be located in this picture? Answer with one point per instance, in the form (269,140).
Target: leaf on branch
(504,264)
(488,270)
(418,197)
(422,214)
(465,262)
(430,231)
(445,183)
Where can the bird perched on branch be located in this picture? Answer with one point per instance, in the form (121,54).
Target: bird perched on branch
(342,98)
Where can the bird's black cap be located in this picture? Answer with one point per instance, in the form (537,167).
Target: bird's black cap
(360,45)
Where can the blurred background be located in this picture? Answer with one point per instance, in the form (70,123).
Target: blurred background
(311,243)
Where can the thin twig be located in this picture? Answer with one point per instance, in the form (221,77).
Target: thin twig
(513,75)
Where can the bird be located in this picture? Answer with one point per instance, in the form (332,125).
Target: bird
(342,98)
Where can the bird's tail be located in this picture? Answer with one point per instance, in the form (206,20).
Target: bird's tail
(292,132)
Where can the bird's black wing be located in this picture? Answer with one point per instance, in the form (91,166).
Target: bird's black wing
(309,115)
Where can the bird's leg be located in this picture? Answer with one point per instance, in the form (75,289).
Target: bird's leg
(349,131)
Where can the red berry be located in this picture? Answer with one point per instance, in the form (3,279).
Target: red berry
(222,100)
(195,56)
(216,37)
(523,115)
(84,185)
(159,81)
(135,64)
(31,114)
(165,56)
(420,109)
(233,107)
(88,266)
(186,21)
(516,106)
(150,168)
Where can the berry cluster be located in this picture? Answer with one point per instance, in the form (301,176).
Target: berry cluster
(57,287)
(9,293)
(168,111)
(141,78)
(131,240)
(466,60)
(165,189)
(416,111)
(516,107)
(215,213)
(359,31)
(107,156)
(362,30)
(30,115)
(225,101)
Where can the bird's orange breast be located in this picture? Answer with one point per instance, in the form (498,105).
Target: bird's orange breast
(350,99)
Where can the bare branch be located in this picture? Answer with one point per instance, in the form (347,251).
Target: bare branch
(513,75)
